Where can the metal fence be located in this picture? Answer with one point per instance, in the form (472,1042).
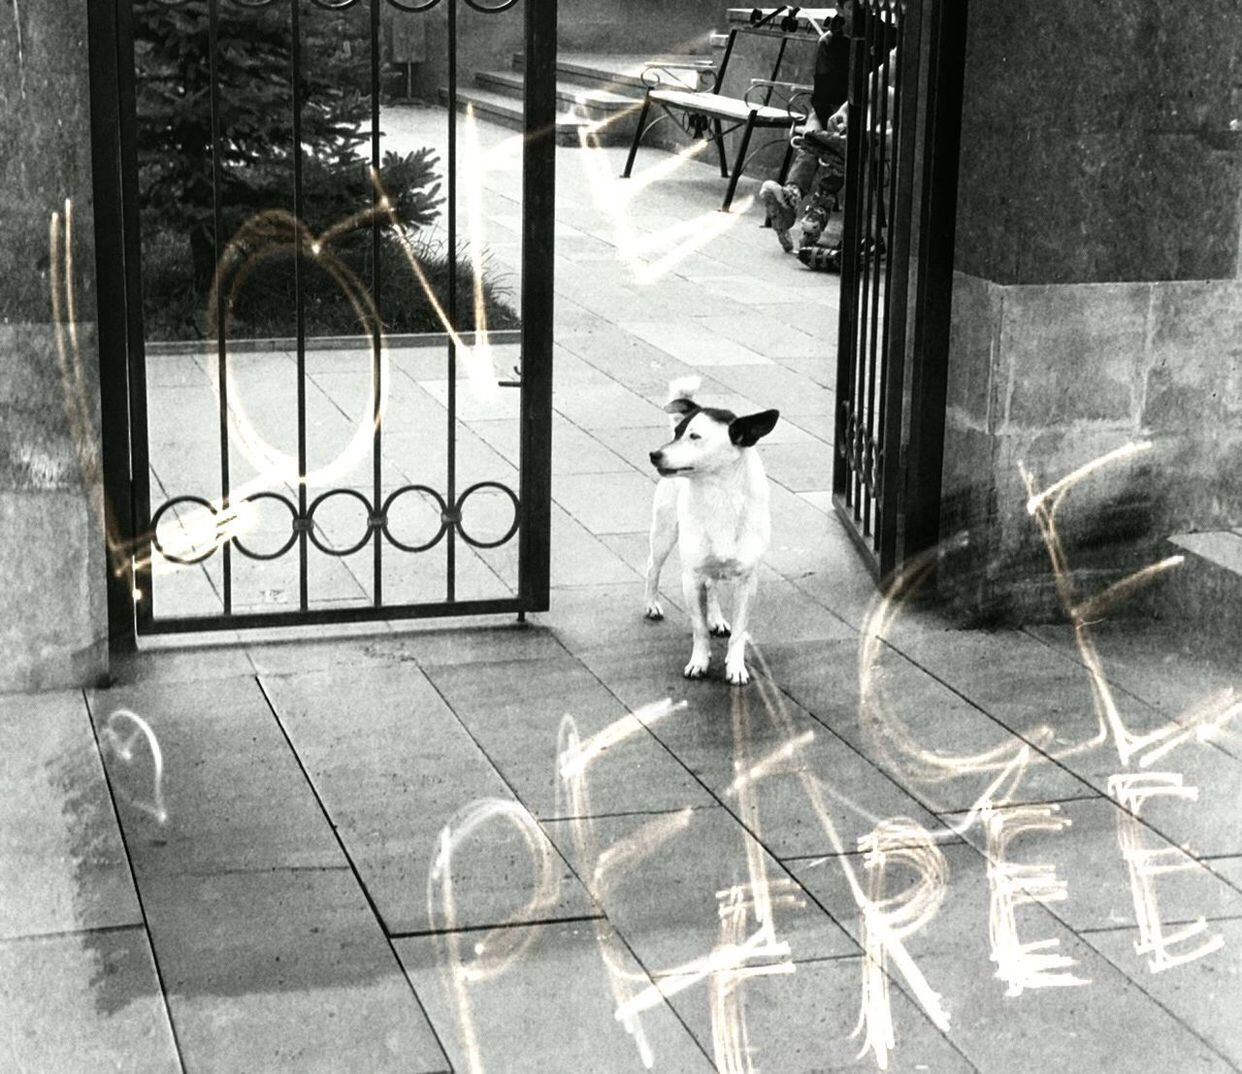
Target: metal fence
(143,513)
(897,265)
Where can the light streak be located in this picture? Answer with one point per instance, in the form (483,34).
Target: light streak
(1082,613)
(478,359)
(503,945)
(886,920)
(263,237)
(1033,964)
(82,426)
(1146,864)
(613,197)
(574,801)
(573,763)
(123,748)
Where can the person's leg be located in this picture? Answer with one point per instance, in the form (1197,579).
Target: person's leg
(781,202)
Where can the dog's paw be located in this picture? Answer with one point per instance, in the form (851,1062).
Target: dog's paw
(737,676)
(719,628)
(696,669)
(653,610)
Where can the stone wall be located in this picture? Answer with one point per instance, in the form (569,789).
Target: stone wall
(53,620)
(1096,300)
(1052,376)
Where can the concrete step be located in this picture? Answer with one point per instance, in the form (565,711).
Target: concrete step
(617,72)
(1205,592)
(507,111)
(596,102)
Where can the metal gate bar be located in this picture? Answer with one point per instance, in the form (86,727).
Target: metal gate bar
(899,221)
(532,510)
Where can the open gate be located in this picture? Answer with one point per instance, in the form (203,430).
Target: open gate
(897,273)
(282,469)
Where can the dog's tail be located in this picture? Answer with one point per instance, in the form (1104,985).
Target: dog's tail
(681,388)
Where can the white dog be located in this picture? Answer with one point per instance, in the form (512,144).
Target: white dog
(713,503)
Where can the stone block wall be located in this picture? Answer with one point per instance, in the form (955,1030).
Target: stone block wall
(53,617)
(1096,296)
(1052,376)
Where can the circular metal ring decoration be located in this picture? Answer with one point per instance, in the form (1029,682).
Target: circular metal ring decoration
(252,3)
(427,6)
(310,520)
(461,501)
(173,557)
(493,9)
(334,5)
(440,504)
(293,533)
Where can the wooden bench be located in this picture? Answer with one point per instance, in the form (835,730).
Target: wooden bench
(715,108)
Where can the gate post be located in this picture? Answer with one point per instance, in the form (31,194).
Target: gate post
(53,602)
(538,229)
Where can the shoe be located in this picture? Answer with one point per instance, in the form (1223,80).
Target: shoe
(814,220)
(781,203)
(821,258)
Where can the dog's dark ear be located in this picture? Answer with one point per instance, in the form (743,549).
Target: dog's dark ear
(746,431)
(681,405)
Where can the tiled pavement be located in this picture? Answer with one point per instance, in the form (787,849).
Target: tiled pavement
(286,897)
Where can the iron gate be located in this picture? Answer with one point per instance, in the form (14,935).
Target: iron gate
(896,276)
(249,530)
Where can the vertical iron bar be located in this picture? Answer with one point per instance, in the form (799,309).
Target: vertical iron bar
(450,546)
(893,398)
(862,427)
(106,54)
(299,299)
(937,226)
(217,223)
(377,292)
(538,219)
(842,470)
(878,303)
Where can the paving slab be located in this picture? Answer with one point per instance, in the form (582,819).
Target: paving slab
(1202,994)
(519,730)
(1108,1024)
(221,737)
(678,867)
(1098,882)
(62,862)
(83,1002)
(557,998)
(936,744)
(394,767)
(805,1021)
(284,969)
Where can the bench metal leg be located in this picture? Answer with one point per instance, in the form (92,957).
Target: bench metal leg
(638,133)
(741,159)
(784,172)
(718,136)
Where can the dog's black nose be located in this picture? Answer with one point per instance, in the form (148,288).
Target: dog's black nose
(655,457)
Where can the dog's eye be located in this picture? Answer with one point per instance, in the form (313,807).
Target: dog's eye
(694,436)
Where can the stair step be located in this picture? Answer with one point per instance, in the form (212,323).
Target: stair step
(1205,593)
(616,72)
(507,111)
(567,93)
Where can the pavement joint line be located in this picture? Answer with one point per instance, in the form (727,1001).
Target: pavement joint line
(133,882)
(61,934)
(534,922)
(366,894)
(1133,927)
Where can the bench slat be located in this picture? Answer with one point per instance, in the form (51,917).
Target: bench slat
(718,104)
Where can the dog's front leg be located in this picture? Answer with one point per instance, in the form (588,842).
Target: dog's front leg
(663,538)
(694,589)
(735,657)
